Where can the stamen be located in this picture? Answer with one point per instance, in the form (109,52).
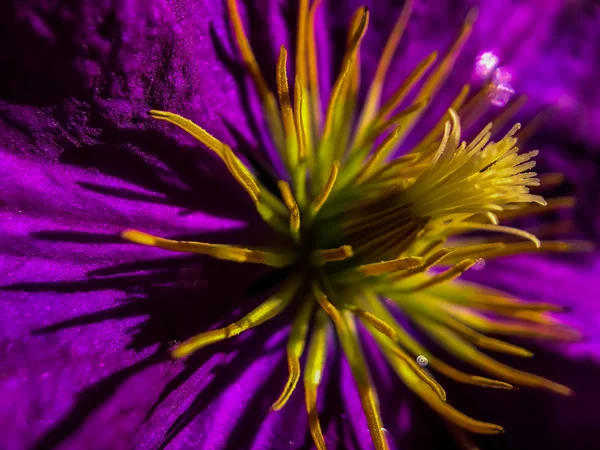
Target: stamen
(520,329)
(552,205)
(389,332)
(287,114)
(519,248)
(509,113)
(408,342)
(465,378)
(315,362)
(429,262)
(438,129)
(242,176)
(549,180)
(235,166)
(320,257)
(295,348)
(468,353)
(449,274)
(465,226)
(268,99)
(374,95)
(219,251)
(437,78)
(351,347)
(313,68)
(290,202)
(264,312)
(324,195)
(326,152)
(386,267)
(299,114)
(423,390)
(400,94)
(301,41)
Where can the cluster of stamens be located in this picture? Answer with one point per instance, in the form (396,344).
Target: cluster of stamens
(362,231)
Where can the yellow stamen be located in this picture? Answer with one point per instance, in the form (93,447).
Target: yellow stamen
(313,72)
(549,180)
(509,113)
(464,226)
(301,41)
(389,332)
(407,341)
(486,325)
(235,166)
(290,202)
(465,378)
(351,347)
(264,312)
(374,94)
(219,251)
(287,114)
(336,106)
(423,390)
(299,114)
(295,348)
(552,205)
(324,195)
(385,267)
(400,94)
(439,75)
(447,275)
(242,175)
(315,363)
(438,129)
(428,263)
(268,99)
(468,353)
(320,257)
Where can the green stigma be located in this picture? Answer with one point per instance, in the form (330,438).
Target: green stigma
(367,237)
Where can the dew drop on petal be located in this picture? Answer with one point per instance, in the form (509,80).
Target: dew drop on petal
(485,63)
(479,264)
(500,94)
(422,361)
(502,75)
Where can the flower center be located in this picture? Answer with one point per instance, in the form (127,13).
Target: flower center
(359,226)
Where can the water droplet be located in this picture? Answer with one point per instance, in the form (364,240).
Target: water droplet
(485,63)
(502,75)
(384,430)
(500,94)
(479,264)
(422,361)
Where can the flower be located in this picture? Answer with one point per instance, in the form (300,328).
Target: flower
(449,157)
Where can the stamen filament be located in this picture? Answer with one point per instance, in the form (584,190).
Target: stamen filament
(264,312)
(290,202)
(324,195)
(267,97)
(295,348)
(219,251)
(320,257)
(376,87)
(315,363)
(449,274)
(351,347)
(385,267)
(287,114)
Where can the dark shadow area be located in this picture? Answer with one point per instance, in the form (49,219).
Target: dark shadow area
(180,296)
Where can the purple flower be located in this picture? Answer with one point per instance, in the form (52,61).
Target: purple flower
(352,252)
